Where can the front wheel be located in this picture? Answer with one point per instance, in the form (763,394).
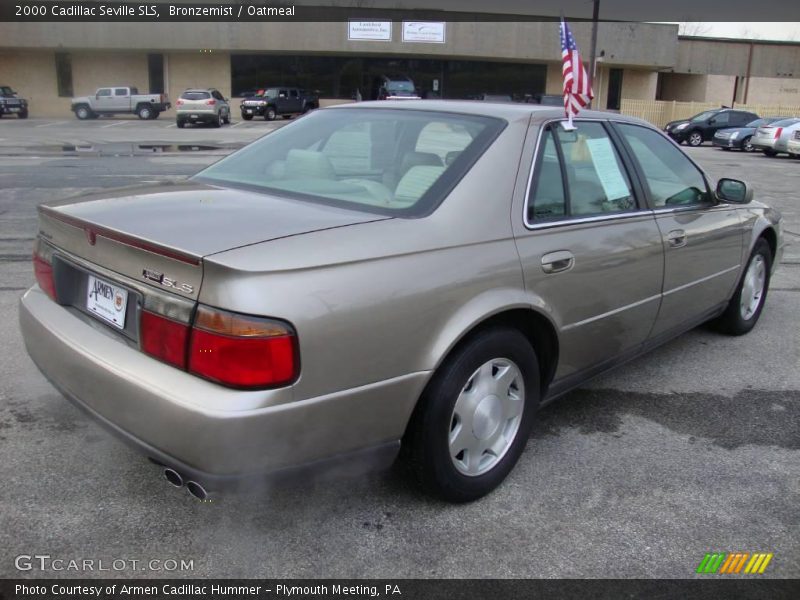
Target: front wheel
(745,307)
(83,113)
(271,114)
(474,418)
(247,117)
(695,138)
(747,144)
(23,114)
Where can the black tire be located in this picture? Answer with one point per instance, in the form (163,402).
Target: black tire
(180,124)
(770,152)
(144,112)
(217,123)
(23,114)
(247,117)
(694,139)
(155,115)
(732,322)
(726,149)
(83,112)
(227,118)
(270,114)
(746,145)
(426,445)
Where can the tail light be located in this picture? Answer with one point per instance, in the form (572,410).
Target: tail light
(211,102)
(179,102)
(242,351)
(44,275)
(778,131)
(43,269)
(163,338)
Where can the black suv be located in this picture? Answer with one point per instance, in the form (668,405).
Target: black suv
(11,104)
(702,127)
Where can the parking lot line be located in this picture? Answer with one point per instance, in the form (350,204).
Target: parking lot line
(170,126)
(114,124)
(51,124)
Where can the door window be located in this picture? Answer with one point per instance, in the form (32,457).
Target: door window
(722,118)
(103,93)
(293,94)
(671,178)
(596,181)
(120,91)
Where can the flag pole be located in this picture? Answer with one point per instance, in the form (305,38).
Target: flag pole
(593,57)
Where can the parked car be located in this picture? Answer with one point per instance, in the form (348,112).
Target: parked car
(793,145)
(275,102)
(702,127)
(548,99)
(741,137)
(773,139)
(120,100)
(12,104)
(495,98)
(393,87)
(202,106)
(335,298)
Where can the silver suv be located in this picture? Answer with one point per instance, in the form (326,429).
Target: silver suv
(202,106)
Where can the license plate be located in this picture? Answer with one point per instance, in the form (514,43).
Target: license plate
(107,301)
(13,109)
(249,111)
(195,116)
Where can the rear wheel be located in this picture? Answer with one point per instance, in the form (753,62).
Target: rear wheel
(181,124)
(695,138)
(745,307)
(475,416)
(218,121)
(770,152)
(227,118)
(747,144)
(145,112)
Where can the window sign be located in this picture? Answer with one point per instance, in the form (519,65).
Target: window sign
(373,31)
(432,32)
(605,165)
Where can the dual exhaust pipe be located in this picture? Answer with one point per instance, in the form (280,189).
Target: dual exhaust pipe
(194,488)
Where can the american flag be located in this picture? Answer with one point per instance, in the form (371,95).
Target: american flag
(577,88)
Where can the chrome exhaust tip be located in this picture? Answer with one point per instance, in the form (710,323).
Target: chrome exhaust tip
(197,490)
(173,477)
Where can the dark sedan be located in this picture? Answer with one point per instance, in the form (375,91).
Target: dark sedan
(741,137)
(702,127)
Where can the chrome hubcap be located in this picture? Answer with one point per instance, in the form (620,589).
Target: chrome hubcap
(486,417)
(695,139)
(753,287)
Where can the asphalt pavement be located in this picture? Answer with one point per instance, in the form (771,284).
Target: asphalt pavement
(690,449)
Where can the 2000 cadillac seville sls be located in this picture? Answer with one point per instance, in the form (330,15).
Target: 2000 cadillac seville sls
(419,273)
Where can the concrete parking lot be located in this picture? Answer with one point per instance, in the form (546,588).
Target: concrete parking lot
(690,449)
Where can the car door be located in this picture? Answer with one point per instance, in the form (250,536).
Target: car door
(104,100)
(282,102)
(702,237)
(121,100)
(591,251)
(295,101)
(719,121)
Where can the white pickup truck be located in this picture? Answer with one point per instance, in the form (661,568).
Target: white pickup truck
(119,100)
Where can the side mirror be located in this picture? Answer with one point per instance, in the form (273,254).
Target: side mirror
(711,121)
(735,191)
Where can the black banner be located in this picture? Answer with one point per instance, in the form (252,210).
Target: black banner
(401,589)
(342,10)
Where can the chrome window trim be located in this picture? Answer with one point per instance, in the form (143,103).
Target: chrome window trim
(570,220)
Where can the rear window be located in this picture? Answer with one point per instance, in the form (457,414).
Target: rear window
(195,95)
(388,161)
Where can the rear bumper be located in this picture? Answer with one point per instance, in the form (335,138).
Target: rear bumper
(227,437)
(206,116)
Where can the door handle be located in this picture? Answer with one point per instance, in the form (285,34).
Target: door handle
(677,238)
(556,262)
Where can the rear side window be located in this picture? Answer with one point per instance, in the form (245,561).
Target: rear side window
(671,177)
(579,174)
(195,95)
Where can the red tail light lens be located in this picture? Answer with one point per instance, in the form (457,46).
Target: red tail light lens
(778,131)
(179,103)
(211,102)
(44,275)
(242,351)
(164,338)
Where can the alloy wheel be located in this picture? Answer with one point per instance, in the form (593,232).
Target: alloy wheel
(753,287)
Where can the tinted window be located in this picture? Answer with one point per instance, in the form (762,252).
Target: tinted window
(103,92)
(120,92)
(195,95)
(703,116)
(293,93)
(670,176)
(218,95)
(547,198)
(722,118)
(370,159)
